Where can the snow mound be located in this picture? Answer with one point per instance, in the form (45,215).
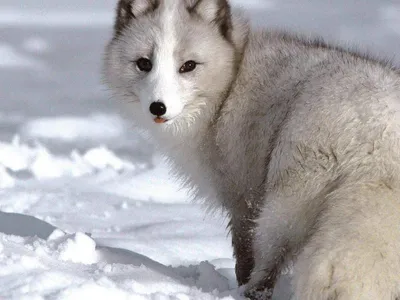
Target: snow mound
(72,128)
(36,45)
(77,248)
(17,158)
(10,58)
(102,158)
(69,267)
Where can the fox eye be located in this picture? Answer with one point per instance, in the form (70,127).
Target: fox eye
(144,64)
(188,66)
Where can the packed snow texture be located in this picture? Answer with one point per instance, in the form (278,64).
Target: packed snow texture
(87,208)
(103,212)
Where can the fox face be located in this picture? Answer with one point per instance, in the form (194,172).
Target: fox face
(174,58)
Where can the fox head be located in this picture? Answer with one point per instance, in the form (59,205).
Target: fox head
(173,61)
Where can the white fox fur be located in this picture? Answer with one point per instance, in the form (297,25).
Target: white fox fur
(296,140)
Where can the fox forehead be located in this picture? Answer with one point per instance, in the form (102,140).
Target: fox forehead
(169,32)
(172,31)
(165,50)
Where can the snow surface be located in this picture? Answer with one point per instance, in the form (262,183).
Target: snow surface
(87,208)
(12,59)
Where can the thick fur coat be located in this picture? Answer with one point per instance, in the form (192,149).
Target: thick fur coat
(296,140)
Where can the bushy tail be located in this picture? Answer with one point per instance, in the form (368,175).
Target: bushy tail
(354,252)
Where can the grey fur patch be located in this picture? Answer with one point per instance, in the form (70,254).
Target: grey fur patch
(132,9)
(214,11)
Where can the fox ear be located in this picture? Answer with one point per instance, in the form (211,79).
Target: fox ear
(132,9)
(214,11)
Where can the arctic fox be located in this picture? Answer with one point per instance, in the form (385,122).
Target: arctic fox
(298,141)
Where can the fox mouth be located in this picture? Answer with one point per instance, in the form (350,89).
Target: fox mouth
(171,119)
(160,120)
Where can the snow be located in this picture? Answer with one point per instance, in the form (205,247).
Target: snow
(254,4)
(36,45)
(10,58)
(69,128)
(87,208)
(39,17)
(96,234)
(76,248)
(6,180)
(70,266)
(390,17)
(42,164)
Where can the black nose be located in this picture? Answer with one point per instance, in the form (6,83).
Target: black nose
(158,109)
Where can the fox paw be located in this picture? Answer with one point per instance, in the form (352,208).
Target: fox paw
(255,294)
